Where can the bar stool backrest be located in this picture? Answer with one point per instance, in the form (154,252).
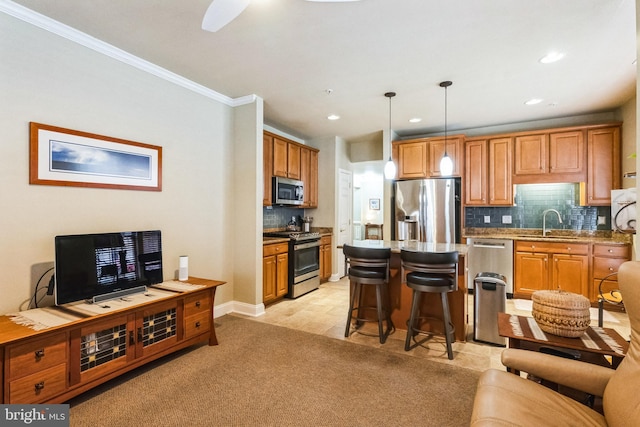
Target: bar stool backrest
(439,263)
(367,258)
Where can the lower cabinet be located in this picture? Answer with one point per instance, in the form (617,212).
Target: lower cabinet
(52,367)
(325,258)
(550,265)
(275,272)
(606,261)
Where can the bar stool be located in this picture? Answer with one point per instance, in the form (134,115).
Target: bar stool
(435,272)
(369,267)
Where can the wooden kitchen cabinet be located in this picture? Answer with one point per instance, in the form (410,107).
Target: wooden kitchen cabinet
(543,265)
(275,272)
(267,168)
(500,172)
(293,160)
(550,156)
(488,172)
(280,150)
(454,150)
(311,187)
(412,160)
(325,258)
(606,259)
(603,166)
(476,169)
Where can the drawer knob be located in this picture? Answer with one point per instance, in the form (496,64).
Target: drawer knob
(39,386)
(197,324)
(610,251)
(39,353)
(610,268)
(198,304)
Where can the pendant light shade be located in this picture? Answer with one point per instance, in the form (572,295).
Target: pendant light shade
(446,164)
(390,167)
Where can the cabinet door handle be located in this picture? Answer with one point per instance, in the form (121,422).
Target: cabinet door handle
(197,324)
(139,334)
(198,304)
(39,353)
(39,386)
(132,340)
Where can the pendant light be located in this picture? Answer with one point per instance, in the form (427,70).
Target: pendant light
(390,167)
(446,164)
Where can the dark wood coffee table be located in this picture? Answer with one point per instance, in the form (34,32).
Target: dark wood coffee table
(596,343)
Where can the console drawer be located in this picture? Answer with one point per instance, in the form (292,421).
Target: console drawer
(38,387)
(37,355)
(196,304)
(196,324)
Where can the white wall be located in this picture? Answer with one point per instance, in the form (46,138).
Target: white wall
(49,79)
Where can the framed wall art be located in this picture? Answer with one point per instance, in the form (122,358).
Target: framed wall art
(68,157)
(374,204)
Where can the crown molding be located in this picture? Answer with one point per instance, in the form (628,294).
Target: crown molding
(69,33)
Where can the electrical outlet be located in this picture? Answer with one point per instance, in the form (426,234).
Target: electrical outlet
(506,219)
(602,220)
(487,219)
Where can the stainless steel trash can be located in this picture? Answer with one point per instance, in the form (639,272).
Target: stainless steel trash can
(489,299)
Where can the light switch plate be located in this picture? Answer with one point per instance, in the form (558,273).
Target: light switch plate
(487,219)
(506,219)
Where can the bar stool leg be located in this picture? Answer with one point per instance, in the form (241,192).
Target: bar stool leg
(448,330)
(382,336)
(356,291)
(415,301)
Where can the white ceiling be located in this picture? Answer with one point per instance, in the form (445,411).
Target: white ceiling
(289,52)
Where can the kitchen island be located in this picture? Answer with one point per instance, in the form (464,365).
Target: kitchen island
(400,294)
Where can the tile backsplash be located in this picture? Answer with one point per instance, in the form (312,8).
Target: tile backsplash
(279,216)
(532,199)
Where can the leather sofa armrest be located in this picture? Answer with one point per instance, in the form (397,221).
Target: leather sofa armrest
(579,375)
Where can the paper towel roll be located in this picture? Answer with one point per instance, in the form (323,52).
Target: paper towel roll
(183,272)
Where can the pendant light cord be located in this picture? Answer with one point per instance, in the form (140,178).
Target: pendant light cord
(445,85)
(390,95)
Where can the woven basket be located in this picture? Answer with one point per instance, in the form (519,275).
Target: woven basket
(561,313)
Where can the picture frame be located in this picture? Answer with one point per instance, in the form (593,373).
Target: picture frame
(374,204)
(67,157)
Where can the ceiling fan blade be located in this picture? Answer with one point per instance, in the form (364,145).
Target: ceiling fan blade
(221,12)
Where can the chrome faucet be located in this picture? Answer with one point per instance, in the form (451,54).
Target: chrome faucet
(544,220)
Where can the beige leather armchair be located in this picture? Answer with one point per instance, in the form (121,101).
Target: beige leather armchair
(505,399)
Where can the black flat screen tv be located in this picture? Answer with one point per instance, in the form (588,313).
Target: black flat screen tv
(97,267)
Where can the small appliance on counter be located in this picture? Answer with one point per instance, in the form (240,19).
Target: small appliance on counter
(306,223)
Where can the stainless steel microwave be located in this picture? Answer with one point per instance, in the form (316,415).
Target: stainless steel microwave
(287,191)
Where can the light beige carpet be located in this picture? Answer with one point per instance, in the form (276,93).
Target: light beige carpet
(266,375)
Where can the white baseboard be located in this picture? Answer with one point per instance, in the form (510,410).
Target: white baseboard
(240,308)
(334,277)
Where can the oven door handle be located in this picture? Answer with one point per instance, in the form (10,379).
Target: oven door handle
(299,246)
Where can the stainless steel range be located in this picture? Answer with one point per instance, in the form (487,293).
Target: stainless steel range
(304,261)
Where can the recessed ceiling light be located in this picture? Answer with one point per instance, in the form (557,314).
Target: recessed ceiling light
(552,57)
(333,117)
(533,101)
(415,120)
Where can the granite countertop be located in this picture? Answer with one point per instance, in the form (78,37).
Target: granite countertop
(564,236)
(411,245)
(267,240)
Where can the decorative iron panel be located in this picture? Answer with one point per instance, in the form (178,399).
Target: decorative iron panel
(102,347)
(158,327)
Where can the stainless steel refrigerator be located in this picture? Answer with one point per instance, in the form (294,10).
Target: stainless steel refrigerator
(427,210)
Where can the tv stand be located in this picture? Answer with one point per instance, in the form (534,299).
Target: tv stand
(88,348)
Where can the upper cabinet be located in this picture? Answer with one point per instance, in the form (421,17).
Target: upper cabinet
(488,173)
(292,160)
(549,156)
(603,167)
(420,158)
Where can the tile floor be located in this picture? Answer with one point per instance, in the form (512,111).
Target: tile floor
(324,312)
